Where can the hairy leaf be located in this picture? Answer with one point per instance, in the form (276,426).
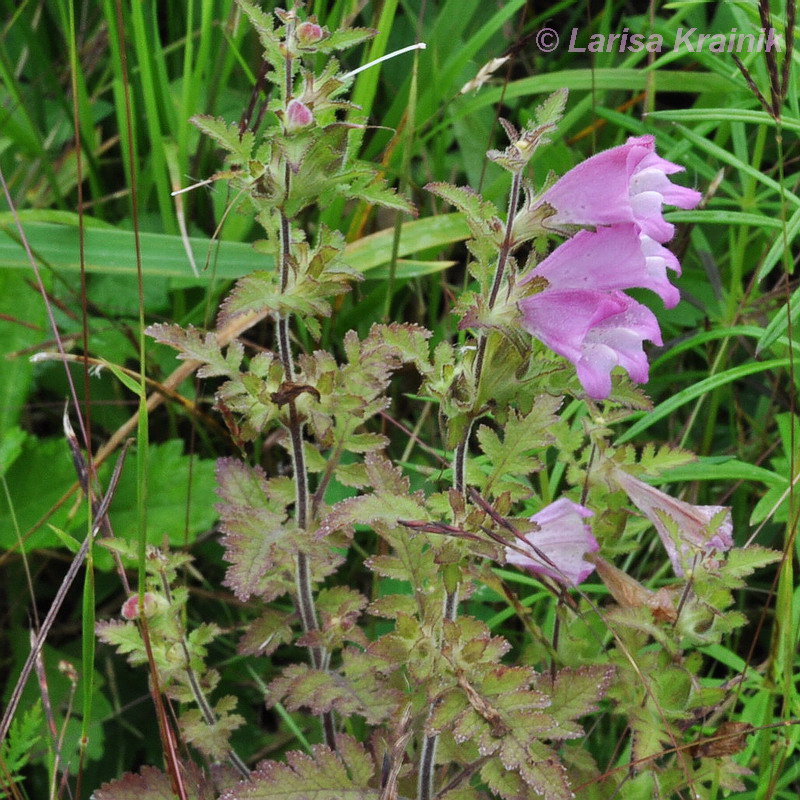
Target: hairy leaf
(213,740)
(349,691)
(323,775)
(256,536)
(153,784)
(265,634)
(227,135)
(347,37)
(512,456)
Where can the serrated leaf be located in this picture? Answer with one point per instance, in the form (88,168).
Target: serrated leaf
(153,784)
(301,686)
(256,537)
(654,462)
(482,216)
(552,109)
(193,346)
(227,135)
(213,740)
(338,608)
(512,456)
(347,37)
(389,503)
(23,734)
(378,193)
(259,291)
(743,561)
(649,736)
(265,27)
(265,634)
(538,766)
(323,775)
(575,693)
(507,784)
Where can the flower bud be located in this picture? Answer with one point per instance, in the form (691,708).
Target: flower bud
(298,115)
(308,34)
(130,608)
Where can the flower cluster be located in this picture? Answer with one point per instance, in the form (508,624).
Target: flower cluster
(583,313)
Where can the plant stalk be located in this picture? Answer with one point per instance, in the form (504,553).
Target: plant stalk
(427,763)
(303,584)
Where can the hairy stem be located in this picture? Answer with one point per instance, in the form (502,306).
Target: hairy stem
(460,456)
(200,699)
(303,584)
(427,762)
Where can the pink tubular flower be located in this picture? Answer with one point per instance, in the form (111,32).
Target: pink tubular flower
(595,330)
(619,257)
(557,549)
(693,522)
(628,183)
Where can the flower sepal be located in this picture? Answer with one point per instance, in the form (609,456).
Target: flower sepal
(523,145)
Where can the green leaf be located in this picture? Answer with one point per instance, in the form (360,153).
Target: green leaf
(192,346)
(378,193)
(698,390)
(551,110)
(177,482)
(482,216)
(575,693)
(227,135)
(512,457)
(126,380)
(153,784)
(31,493)
(347,37)
(256,537)
(20,306)
(266,633)
(323,775)
(212,740)
(362,693)
(389,503)
(743,561)
(11,447)
(15,750)
(109,250)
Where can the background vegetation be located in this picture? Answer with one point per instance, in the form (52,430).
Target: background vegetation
(90,204)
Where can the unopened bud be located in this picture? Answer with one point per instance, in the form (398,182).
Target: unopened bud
(308,33)
(298,115)
(130,608)
(68,669)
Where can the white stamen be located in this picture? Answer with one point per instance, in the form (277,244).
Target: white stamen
(417,46)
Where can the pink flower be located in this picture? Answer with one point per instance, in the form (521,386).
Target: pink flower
(557,549)
(696,536)
(619,257)
(595,330)
(628,183)
(298,115)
